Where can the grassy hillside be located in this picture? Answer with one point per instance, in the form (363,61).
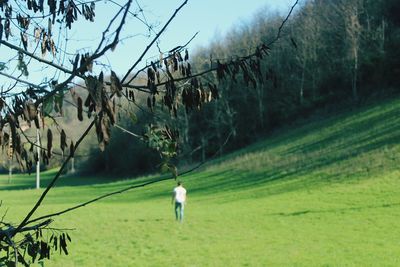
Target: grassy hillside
(324,194)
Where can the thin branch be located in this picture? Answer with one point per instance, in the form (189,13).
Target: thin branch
(108,28)
(62,86)
(127,131)
(129,187)
(116,38)
(51,184)
(97,199)
(39,146)
(22,81)
(27,218)
(179,48)
(278,36)
(31,55)
(153,41)
(283,23)
(35,227)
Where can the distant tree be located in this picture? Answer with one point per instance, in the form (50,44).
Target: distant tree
(169,81)
(330,54)
(351,11)
(307,41)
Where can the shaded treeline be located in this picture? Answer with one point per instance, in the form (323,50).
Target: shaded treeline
(332,54)
(126,153)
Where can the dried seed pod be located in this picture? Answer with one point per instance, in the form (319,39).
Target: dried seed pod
(7,28)
(88,101)
(36,120)
(80,108)
(116,86)
(24,40)
(186,55)
(49,143)
(32,111)
(175,63)
(130,94)
(188,70)
(63,140)
(106,129)
(26,112)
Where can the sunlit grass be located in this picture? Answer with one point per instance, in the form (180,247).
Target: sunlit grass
(324,194)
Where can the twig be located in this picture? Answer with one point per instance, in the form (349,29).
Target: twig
(179,48)
(22,81)
(108,27)
(126,131)
(51,184)
(32,55)
(152,42)
(129,187)
(283,23)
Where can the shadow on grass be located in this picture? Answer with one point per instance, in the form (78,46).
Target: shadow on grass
(214,182)
(21,181)
(364,135)
(343,210)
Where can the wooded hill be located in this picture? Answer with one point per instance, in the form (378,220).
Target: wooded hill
(331,56)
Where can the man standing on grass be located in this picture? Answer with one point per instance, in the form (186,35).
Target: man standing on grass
(179,197)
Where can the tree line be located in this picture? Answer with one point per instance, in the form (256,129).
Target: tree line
(330,55)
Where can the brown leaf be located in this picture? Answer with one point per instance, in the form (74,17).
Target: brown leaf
(130,94)
(49,143)
(186,55)
(95,88)
(80,108)
(116,87)
(24,40)
(7,28)
(63,140)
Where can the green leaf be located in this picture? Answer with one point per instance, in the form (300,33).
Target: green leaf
(48,105)
(164,167)
(58,101)
(133,118)
(173,170)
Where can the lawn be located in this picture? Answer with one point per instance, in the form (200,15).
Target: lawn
(323,194)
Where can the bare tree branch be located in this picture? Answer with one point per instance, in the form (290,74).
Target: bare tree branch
(21,81)
(130,187)
(51,184)
(152,42)
(32,55)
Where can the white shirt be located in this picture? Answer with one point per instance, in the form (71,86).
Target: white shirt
(180,194)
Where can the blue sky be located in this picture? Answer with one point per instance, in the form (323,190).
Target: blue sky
(209,18)
(204,16)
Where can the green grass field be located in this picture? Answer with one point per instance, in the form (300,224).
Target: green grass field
(323,194)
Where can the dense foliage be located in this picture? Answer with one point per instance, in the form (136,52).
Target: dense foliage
(331,56)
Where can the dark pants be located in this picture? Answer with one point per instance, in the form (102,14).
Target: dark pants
(179,207)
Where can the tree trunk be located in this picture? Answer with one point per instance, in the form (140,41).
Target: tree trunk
(10,171)
(302,84)
(260,98)
(355,74)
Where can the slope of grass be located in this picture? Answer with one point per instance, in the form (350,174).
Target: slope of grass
(324,194)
